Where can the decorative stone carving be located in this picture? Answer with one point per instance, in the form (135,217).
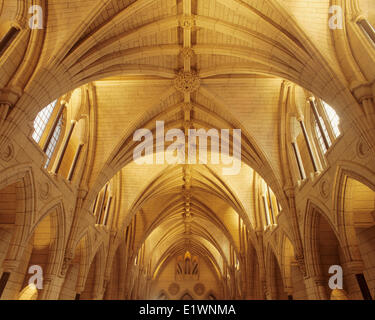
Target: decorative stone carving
(324,188)
(187,82)
(187,180)
(44,190)
(7,151)
(320,281)
(199,289)
(301,264)
(105,284)
(187,22)
(187,107)
(67,262)
(174,289)
(8,98)
(265,288)
(363,150)
(187,53)
(188,124)
(187,196)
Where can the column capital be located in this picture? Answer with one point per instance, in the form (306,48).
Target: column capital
(187,21)
(10,96)
(364,91)
(300,118)
(288,83)
(319,281)
(82,193)
(310,98)
(301,264)
(358,16)
(19,25)
(289,191)
(10,265)
(354,266)
(68,258)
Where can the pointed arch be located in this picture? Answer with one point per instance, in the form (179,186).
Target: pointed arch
(22,176)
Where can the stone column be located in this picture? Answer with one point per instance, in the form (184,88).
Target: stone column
(351,285)
(4,108)
(8,99)
(316,288)
(365,24)
(365,94)
(9,267)
(45,293)
(320,126)
(9,37)
(266,290)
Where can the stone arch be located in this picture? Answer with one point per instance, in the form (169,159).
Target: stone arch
(311,225)
(44,248)
(343,191)
(252,283)
(55,210)
(115,280)
(122,155)
(324,249)
(22,181)
(211,295)
(294,278)
(274,278)
(93,285)
(77,269)
(355,209)
(163,295)
(187,296)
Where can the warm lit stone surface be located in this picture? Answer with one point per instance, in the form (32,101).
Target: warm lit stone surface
(76,206)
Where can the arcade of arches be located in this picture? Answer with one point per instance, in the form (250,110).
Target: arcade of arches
(98,225)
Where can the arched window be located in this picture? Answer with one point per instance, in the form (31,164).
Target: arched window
(195,266)
(41,121)
(102,205)
(270,205)
(368,29)
(320,138)
(187,267)
(326,123)
(53,142)
(333,119)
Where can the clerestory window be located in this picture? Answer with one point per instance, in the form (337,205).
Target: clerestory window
(333,119)
(41,121)
(53,142)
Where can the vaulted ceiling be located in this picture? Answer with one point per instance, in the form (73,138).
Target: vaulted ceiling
(147,60)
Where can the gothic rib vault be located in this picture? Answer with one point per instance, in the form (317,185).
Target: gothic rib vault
(74,202)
